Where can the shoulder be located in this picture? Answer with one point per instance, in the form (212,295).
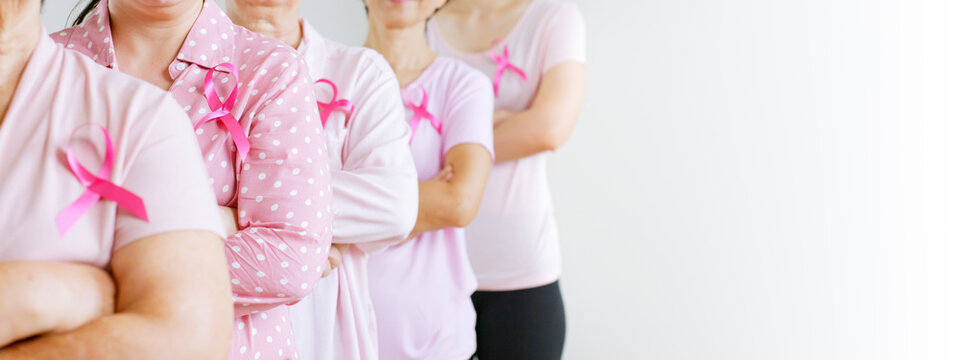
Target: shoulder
(367,65)
(258,57)
(67,38)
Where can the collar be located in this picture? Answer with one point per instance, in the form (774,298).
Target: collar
(209,42)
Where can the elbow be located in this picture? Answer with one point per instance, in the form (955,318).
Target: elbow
(463,213)
(209,331)
(553,139)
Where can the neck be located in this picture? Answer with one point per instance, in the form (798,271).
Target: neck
(404,48)
(19,35)
(484,6)
(147,39)
(279,21)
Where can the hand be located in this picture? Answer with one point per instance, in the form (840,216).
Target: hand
(230,221)
(335,258)
(445,175)
(501,116)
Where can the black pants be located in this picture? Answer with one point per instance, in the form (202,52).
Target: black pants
(527,324)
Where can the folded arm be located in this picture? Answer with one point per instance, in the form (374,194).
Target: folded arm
(453,201)
(173,302)
(43,297)
(549,121)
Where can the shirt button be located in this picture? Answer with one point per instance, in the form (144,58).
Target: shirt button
(181,66)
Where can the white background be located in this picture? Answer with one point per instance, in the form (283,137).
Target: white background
(755,179)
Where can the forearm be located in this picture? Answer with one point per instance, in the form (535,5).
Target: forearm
(43,297)
(273,266)
(522,134)
(375,207)
(120,336)
(441,206)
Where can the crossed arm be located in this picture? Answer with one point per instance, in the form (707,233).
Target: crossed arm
(549,121)
(451,198)
(173,302)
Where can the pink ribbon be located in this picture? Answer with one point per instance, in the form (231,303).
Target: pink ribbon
(420,112)
(327,108)
(503,64)
(221,111)
(98,186)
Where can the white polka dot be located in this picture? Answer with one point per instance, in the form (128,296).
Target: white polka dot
(242,214)
(243,190)
(280,162)
(263,71)
(303,268)
(290,215)
(192,89)
(262,176)
(181,66)
(261,274)
(319,214)
(243,349)
(257,355)
(284,264)
(283,281)
(274,207)
(304,286)
(293,192)
(294,150)
(277,184)
(304,224)
(226,188)
(203,30)
(307,140)
(223,36)
(192,43)
(276,143)
(203,57)
(258,289)
(310,181)
(223,163)
(293,109)
(236,248)
(269,339)
(259,198)
(246,166)
(235,265)
(276,123)
(308,202)
(253,331)
(235,281)
(261,257)
(213,46)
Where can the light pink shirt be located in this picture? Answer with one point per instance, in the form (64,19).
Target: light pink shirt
(375,194)
(421,288)
(155,156)
(513,240)
(282,191)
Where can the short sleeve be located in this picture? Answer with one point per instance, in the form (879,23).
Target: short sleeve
(167,172)
(469,112)
(564,37)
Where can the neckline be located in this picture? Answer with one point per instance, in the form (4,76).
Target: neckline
(510,34)
(418,80)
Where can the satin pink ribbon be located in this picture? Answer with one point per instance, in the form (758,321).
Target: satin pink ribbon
(221,111)
(327,108)
(503,64)
(98,187)
(420,112)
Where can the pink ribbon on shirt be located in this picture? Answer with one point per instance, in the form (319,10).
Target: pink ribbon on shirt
(98,186)
(420,112)
(221,111)
(327,108)
(503,64)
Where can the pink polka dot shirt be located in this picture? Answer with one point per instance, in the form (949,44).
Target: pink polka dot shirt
(281,190)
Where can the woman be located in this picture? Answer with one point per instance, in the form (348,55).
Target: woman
(374,179)
(533,51)
(260,133)
(421,288)
(90,159)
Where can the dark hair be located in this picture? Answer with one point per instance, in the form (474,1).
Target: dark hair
(85,12)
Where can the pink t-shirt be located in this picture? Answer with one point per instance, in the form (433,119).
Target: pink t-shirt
(421,288)
(513,240)
(281,191)
(154,150)
(375,194)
